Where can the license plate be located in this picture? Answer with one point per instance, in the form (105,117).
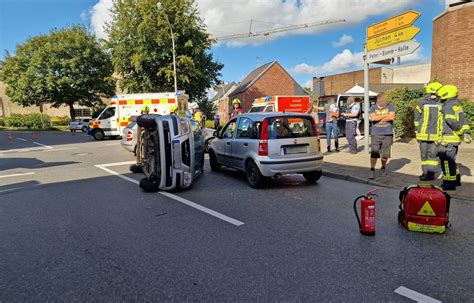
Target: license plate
(295,150)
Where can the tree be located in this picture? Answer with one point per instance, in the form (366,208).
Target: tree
(65,67)
(140,41)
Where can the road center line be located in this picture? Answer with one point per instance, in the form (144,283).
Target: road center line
(21,139)
(17,175)
(47,146)
(171,196)
(415,296)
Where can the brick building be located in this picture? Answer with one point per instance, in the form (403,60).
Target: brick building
(453,43)
(270,79)
(397,76)
(7,107)
(222,101)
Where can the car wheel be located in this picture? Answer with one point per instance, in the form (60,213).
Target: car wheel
(99,135)
(84,129)
(207,144)
(313,176)
(254,176)
(149,185)
(215,165)
(134,168)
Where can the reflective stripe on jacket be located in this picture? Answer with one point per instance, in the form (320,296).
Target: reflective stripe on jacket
(455,124)
(427,118)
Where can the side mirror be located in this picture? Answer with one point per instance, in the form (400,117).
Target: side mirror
(216,133)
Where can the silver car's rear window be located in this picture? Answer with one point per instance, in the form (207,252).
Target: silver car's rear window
(290,127)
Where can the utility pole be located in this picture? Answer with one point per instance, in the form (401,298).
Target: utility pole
(366,101)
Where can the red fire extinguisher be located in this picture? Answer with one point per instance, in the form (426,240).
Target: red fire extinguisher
(367,213)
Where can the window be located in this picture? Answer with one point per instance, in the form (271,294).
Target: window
(245,128)
(290,127)
(82,112)
(228,131)
(256,109)
(269,108)
(107,113)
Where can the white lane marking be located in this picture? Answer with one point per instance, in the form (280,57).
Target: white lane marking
(10,189)
(82,154)
(171,196)
(22,150)
(58,149)
(17,175)
(415,296)
(45,146)
(21,139)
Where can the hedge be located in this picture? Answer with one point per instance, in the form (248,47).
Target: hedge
(35,120)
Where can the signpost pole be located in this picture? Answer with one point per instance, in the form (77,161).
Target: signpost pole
(366,102)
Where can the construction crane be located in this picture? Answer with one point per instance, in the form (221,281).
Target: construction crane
(274,31)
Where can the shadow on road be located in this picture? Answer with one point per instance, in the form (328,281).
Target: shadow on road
(29,163)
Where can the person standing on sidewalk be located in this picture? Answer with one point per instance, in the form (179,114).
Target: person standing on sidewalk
(455,129)
(427,115)
(351,123)
(332,113)
(382,115)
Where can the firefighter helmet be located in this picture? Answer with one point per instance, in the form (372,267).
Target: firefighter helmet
(432,87)
(173,108)
(236,100)
(145,108)
(447,92)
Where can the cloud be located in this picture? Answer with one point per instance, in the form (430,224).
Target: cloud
(84,15)
(345,39)
(223,18)
(309,84)
(416,56)
(100,14)
(344,61)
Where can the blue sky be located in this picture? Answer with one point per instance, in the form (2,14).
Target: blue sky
(304,55)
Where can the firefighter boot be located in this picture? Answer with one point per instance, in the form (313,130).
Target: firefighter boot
(427,177)
(337,146)
(448,185)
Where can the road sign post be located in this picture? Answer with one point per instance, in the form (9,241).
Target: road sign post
(386,40)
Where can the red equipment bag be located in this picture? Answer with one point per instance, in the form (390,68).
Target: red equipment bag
(424,208)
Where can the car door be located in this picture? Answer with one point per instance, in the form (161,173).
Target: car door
(240,144)
(108,121)
(224,144)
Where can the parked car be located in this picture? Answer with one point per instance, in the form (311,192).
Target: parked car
(172,152)
(81,124)
(265,145)
(130,137)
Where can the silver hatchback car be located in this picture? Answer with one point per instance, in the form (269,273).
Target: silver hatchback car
(265,145)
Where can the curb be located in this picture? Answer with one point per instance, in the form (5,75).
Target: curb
(370,182)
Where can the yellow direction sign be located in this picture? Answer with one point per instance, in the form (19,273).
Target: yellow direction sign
(393,23)
(401,35)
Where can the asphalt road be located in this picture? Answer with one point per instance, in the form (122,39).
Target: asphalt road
(72,231)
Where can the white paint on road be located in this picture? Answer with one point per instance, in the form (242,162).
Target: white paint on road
(58,149)
(16,175)
(169,195)
(10,189)
(415,296)
(45,146)
(81,154)
(21,139)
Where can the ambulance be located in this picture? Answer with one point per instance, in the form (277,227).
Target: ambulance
(115,117)
(285,104)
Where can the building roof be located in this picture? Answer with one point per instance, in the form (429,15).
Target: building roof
(252,77)
(358,90)
(257,73)
(222,90)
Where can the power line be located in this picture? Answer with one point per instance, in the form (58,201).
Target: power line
(277,30)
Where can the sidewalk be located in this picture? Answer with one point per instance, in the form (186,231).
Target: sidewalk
(402,169)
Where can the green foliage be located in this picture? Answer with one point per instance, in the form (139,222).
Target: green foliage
(405,101)
(141,47)
(61,68)
(60,120)
(2,122)
(207,107)
(468,108)
(35,120)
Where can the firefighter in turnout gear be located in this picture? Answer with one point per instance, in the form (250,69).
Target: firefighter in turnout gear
(454,130)
(427,128)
